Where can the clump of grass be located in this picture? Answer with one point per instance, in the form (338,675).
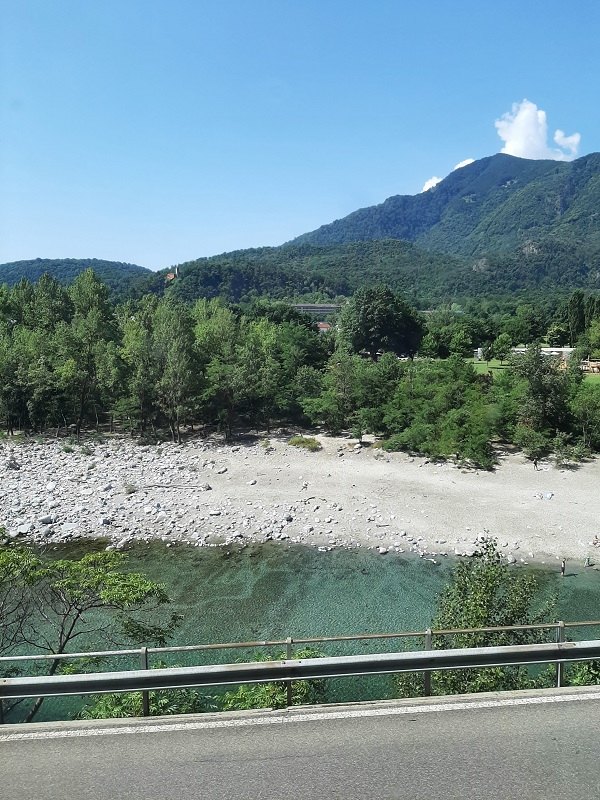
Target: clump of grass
(129,488)
(307,442)
(86,450)
(67,448)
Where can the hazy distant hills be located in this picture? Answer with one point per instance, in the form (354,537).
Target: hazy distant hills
(119,277)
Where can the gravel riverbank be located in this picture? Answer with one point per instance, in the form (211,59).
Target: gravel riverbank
(205,493)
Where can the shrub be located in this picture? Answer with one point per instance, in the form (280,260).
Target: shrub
(307,442)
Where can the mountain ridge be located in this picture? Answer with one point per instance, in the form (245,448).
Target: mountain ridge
(499,225)
(491,205)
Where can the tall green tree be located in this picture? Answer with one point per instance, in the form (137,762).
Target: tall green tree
(585,406)
(441,409)
(47,605)
(483,592)
(136,403)
(377,319)
(575,313)
(177,386)
(547,390)
(335,401)
(78,343)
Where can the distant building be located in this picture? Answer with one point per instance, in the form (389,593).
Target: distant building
(556,352)
(323,327)
(317,309)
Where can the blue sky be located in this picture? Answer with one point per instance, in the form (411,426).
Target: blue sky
(157,132)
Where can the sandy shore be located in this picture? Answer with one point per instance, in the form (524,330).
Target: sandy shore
(206,493)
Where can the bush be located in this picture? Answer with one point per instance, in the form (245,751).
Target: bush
(484,592)
(274,695)
(307,442)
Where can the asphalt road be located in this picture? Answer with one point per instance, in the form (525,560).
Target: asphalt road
(547,750)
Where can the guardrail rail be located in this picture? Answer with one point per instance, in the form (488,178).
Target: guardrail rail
(292,669)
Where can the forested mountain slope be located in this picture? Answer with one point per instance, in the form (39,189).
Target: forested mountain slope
(296,271)
(497,226)
(119,277)
(494,205)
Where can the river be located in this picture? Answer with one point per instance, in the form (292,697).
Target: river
(271,591)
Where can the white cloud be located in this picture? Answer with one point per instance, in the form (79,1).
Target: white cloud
(464,163)
(435,180)
(429,184)
(524,131)
(570,143)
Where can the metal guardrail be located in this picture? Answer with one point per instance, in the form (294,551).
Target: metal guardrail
(297,669)
(361,637)
(290,669)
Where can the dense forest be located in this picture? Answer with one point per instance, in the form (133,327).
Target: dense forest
(69,359)
(122,279)
(495,228)
(493,205)
(427,279)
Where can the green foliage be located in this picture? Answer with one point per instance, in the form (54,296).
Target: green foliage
(129,704)
(320,273)
(501,346)
(557,335)
(585,406)
(306,443)
(122,279)
(441,409)
(46,605)
(376,319)
(69,360)
(483,592)
(586,673)
(274,695)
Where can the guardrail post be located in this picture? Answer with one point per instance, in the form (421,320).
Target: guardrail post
(560,667)
(288,684)
(427,673)
(145,695)
(1,711)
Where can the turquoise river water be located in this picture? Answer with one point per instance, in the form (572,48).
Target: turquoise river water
(272,591)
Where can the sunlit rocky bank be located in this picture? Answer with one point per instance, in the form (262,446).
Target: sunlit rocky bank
(210,494)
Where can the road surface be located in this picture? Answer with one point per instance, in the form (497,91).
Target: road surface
(525,746)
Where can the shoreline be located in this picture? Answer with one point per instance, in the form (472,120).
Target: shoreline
(206,493)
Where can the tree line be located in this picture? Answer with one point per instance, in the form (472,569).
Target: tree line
(69,359)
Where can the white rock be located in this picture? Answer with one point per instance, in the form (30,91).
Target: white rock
(25,528)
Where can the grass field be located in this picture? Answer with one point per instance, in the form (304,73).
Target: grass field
(494,366)
(483,367)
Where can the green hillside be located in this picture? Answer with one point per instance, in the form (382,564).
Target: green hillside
(307,270)
(494,205)
(119,277)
